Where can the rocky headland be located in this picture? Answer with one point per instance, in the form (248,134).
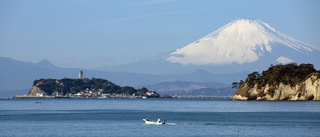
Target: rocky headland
(289,82)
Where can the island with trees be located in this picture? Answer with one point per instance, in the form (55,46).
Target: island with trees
(281,82)
(84,88)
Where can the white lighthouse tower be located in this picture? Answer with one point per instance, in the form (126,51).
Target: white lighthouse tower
(80,74)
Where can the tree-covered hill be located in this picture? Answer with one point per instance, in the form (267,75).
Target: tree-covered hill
(287,74)
(280,82)
(73,86)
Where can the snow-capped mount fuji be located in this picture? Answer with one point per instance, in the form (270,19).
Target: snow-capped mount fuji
(245,41)
(243,45)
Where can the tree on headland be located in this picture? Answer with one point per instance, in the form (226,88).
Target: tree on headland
(287,74)
(253,77)
(237,84)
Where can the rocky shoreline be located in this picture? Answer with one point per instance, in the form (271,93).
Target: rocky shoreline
(307,89)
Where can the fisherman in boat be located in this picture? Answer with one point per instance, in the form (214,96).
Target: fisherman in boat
(158,120)
(153,122)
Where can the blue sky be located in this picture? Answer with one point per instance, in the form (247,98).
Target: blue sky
(93,33)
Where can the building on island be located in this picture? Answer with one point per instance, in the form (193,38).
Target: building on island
(80,74)
(152,94)
(41,94)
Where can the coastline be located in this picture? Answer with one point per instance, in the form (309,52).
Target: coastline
(31,97)
(52,97)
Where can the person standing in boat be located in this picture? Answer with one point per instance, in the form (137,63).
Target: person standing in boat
(158,120)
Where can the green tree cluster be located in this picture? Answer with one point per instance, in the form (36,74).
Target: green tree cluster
(287,74)
(74,86)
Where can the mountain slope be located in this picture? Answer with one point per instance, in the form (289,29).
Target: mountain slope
(241,45)
(185,88)
(16,74)
(241,41)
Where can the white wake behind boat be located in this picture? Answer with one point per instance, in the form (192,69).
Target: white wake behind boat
(153,122)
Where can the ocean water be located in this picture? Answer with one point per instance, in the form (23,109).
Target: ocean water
(185,117)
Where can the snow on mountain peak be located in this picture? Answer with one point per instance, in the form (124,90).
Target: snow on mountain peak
(284,60)
(240,41)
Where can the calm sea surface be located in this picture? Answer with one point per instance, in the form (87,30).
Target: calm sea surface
(185,117)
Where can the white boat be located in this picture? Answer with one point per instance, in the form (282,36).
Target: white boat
(153,122)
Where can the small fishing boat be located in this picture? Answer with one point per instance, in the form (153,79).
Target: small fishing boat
(153,122)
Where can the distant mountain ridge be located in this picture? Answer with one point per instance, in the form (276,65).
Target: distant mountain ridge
(17,76)
(185,88)
(46,64)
